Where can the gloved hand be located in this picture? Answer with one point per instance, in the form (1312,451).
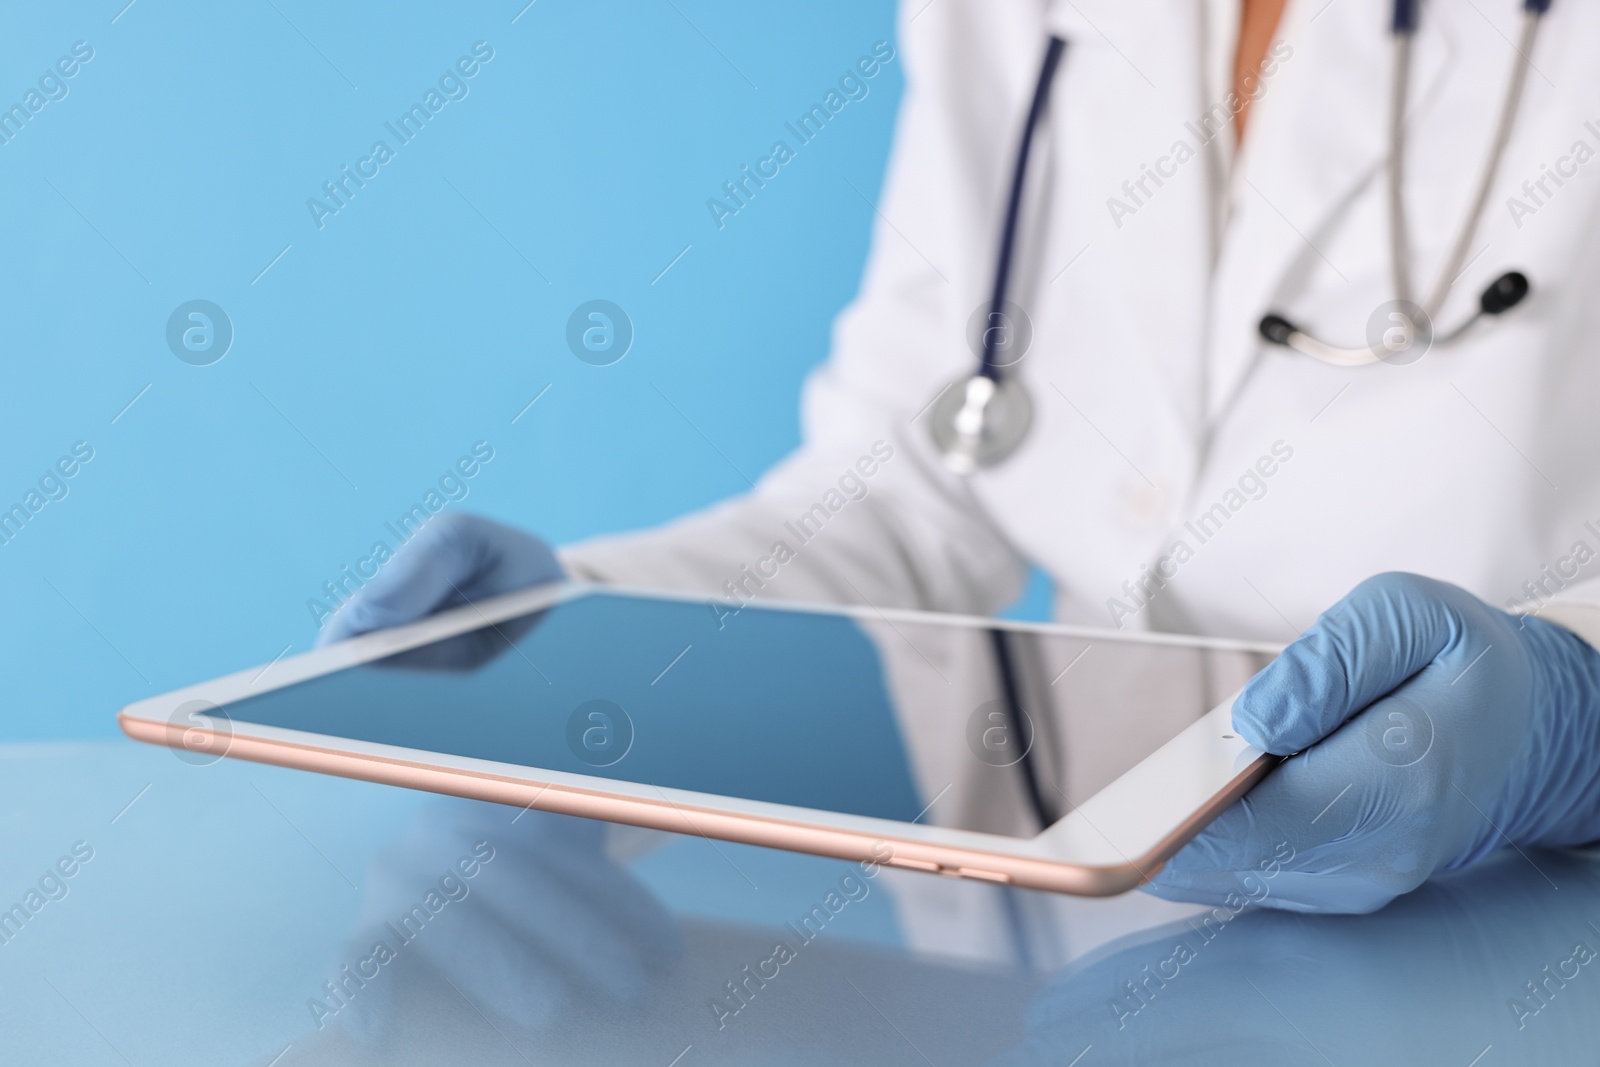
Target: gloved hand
(1435,728)
(454,559)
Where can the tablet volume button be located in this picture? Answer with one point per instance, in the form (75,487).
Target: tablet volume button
(983,876)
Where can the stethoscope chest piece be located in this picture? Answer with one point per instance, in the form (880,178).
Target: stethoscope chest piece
(978,421)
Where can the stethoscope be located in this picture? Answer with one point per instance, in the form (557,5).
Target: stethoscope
(979,420)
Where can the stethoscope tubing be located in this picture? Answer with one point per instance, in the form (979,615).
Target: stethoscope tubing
(977,418)
(1279,330)
(990,367)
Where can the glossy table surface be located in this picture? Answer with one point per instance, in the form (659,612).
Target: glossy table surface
(167,913)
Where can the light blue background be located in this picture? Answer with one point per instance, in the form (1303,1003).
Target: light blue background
(378,349)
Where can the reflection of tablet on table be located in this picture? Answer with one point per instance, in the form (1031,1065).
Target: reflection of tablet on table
(1044,756)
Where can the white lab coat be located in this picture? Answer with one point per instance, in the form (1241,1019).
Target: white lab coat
(1153,393)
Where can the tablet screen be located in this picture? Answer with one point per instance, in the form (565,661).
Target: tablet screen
(978,728)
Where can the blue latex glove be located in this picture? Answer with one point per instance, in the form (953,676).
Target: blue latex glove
(1435,728)
(454,559)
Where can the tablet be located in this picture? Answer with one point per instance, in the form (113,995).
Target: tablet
(1044,756)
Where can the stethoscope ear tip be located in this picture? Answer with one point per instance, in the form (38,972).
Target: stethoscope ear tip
(1275,329)
(1504,293)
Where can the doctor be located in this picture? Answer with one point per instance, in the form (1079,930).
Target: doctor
(1173,461)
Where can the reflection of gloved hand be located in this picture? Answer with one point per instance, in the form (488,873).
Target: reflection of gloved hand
(1491,956)
(1437,729)
(545,920)
(453,560)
